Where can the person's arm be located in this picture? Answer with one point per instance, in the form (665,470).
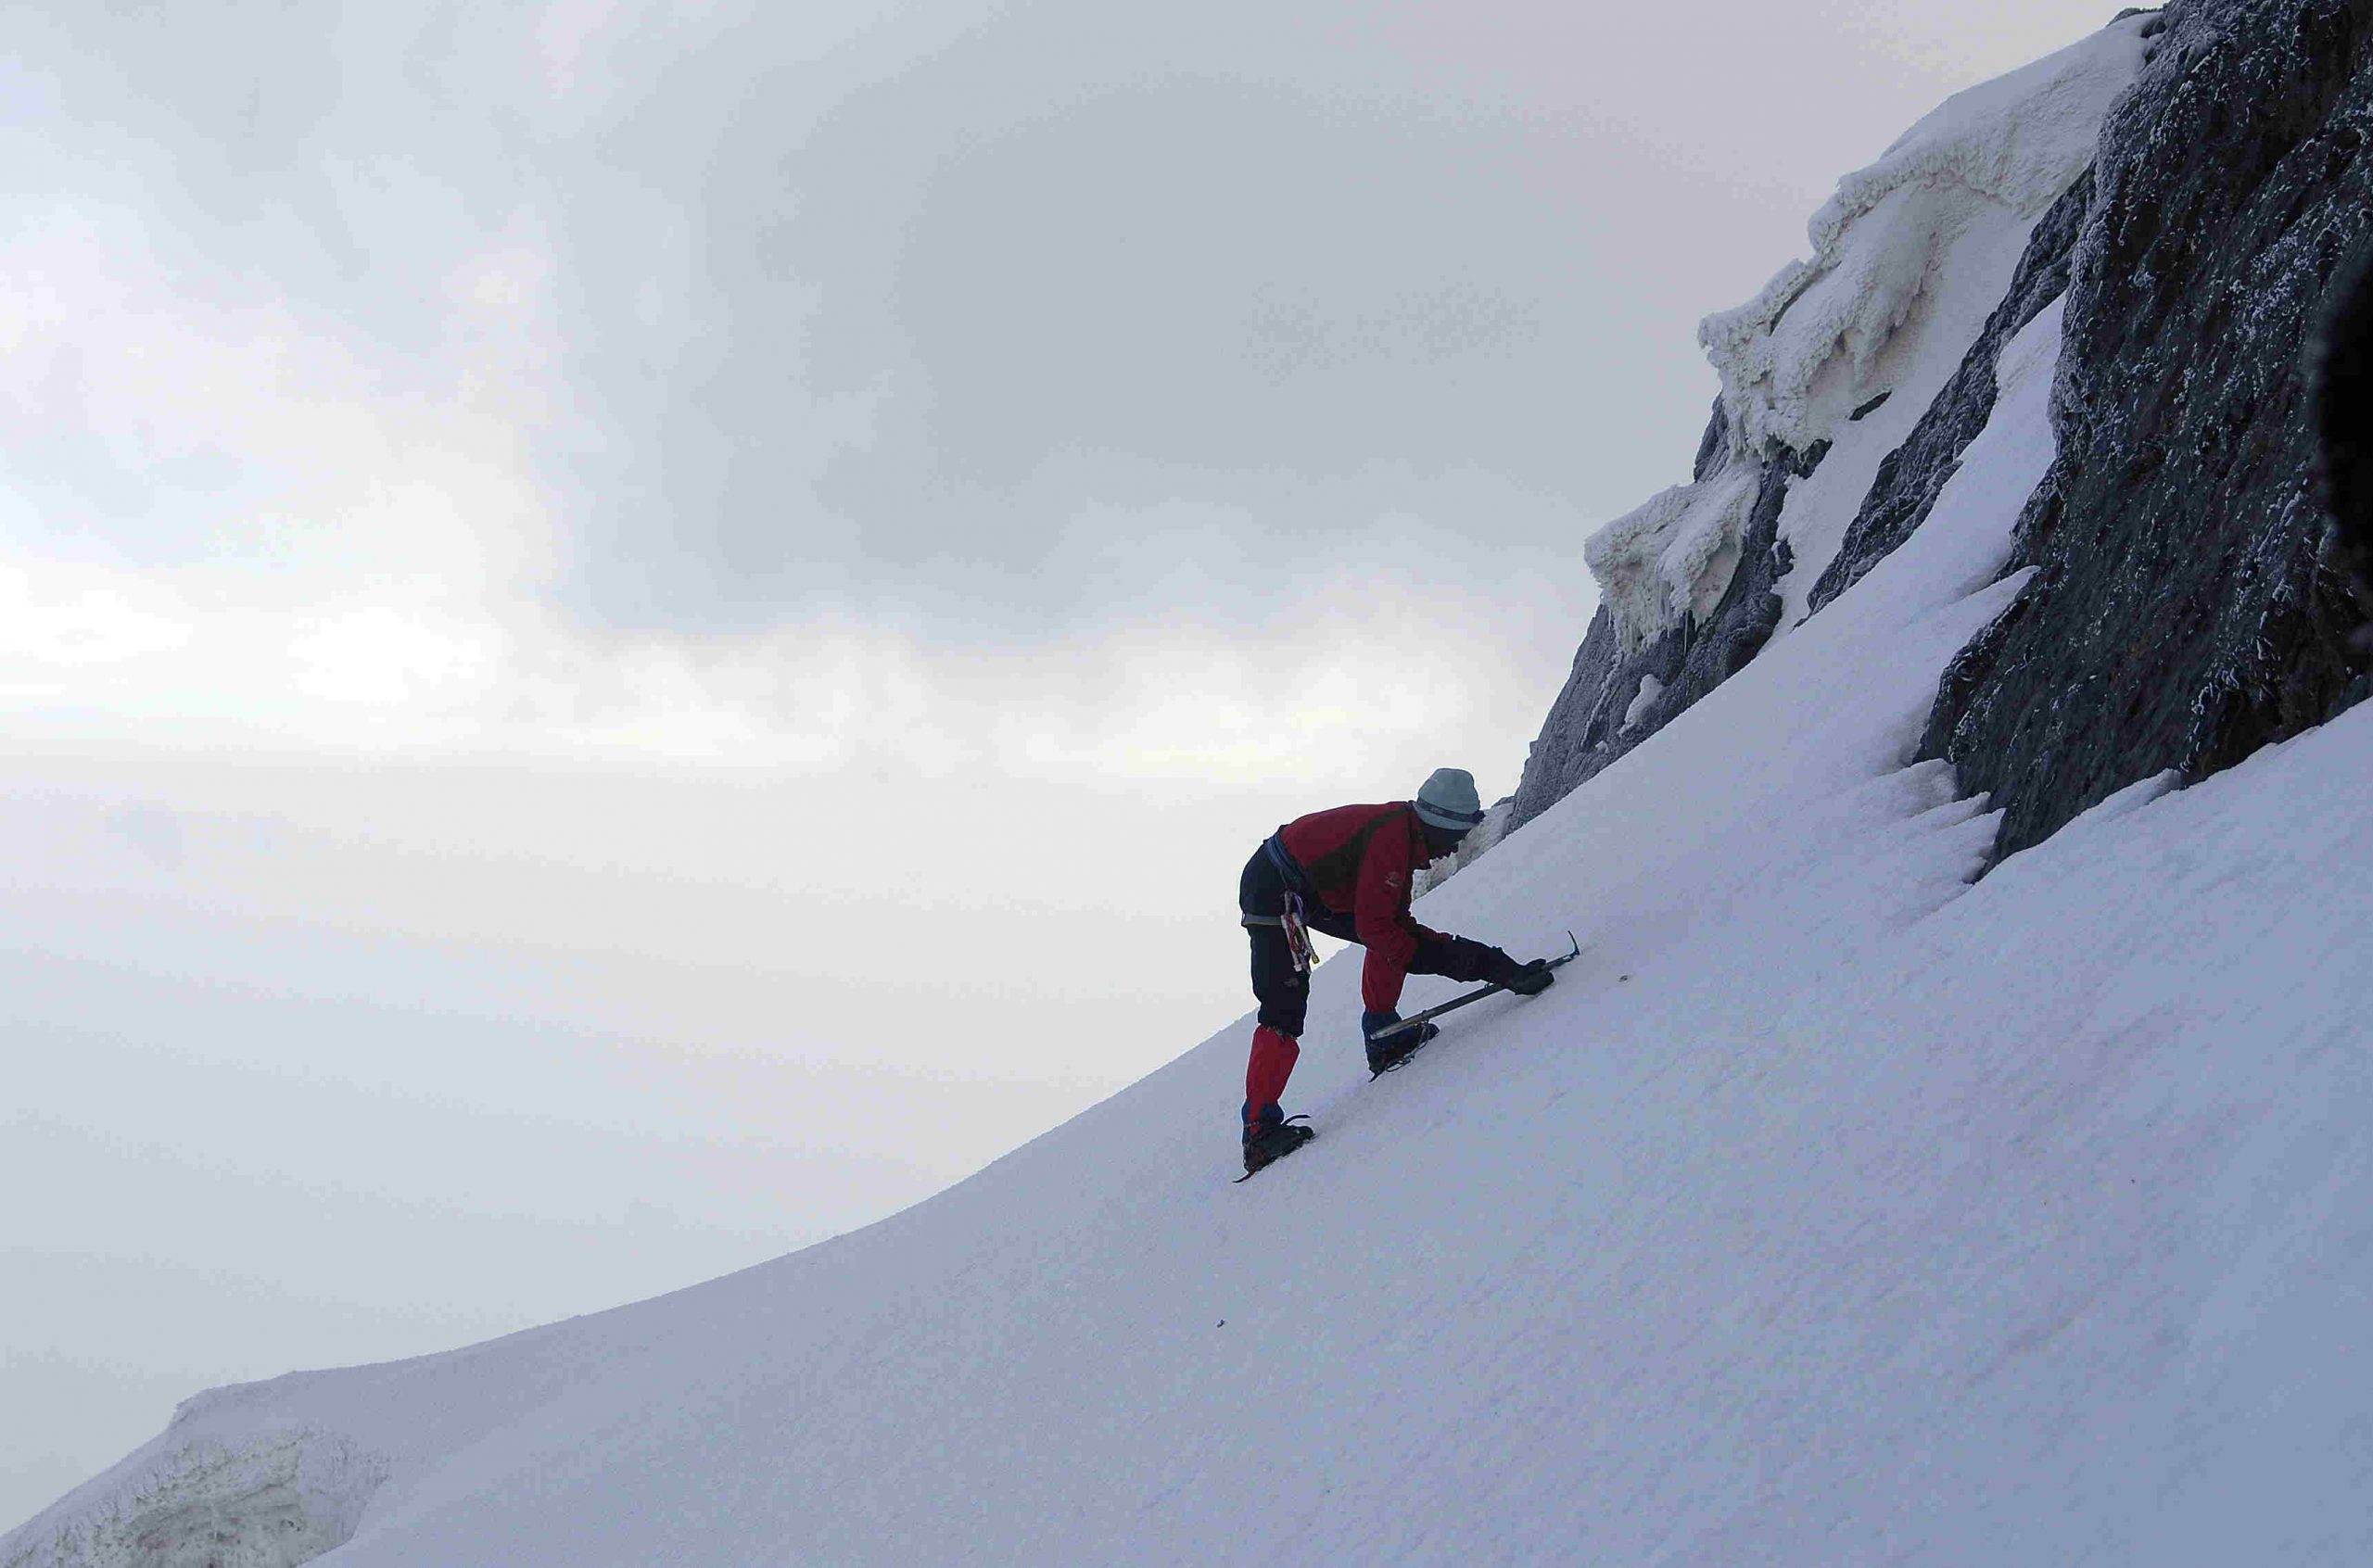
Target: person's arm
(1380,914)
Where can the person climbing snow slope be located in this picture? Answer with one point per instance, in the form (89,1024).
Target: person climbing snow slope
(1348,872)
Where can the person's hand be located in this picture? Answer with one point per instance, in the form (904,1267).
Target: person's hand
(1524,980)
(1531,980)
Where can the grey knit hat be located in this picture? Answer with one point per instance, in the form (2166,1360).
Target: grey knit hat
(1449,801)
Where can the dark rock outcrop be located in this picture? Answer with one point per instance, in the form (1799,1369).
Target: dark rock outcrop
(2182,613)
(1915,473)
(1713,444)
(2341,362)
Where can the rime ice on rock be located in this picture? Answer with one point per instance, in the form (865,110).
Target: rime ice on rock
(1670,561)
(1867,314)
(1798,359)
(1923,266)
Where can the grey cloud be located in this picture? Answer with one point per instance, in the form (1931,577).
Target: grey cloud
(1054,294)
(278,139)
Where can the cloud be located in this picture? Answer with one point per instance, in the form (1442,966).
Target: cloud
(934,323)
(378,575)
(1349,669)
(128,368)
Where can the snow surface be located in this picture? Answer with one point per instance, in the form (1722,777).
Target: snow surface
(1669,559)
(1909,258)
(1832,1209)
(1642,701)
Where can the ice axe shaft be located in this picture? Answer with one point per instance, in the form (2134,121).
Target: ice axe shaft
(1455,1002)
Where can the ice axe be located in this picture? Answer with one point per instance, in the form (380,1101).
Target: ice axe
(1455,1002)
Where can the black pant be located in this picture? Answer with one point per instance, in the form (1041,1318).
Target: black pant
(1284,991)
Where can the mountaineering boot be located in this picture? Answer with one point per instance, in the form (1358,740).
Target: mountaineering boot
(1268,1141)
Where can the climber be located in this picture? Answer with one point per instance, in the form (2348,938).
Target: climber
(1347,872)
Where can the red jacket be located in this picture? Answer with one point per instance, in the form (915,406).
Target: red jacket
(1360,860)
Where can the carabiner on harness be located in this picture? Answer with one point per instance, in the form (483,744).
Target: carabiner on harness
(1297,935)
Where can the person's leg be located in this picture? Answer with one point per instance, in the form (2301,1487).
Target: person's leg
(1284,994)
(1282,990)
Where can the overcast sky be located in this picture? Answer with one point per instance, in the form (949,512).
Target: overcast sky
(632,634)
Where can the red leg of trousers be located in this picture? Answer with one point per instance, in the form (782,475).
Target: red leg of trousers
(1274,1055)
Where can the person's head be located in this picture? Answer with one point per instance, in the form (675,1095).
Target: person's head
(1448,809)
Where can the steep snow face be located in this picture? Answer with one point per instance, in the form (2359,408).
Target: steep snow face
(1908,259)
(1829,1209)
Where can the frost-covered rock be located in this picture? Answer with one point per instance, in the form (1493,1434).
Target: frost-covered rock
(1669,562)
(1650,689)
(272,1499)
(2181,615)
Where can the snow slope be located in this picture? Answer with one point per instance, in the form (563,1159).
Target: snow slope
(1832,1209)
